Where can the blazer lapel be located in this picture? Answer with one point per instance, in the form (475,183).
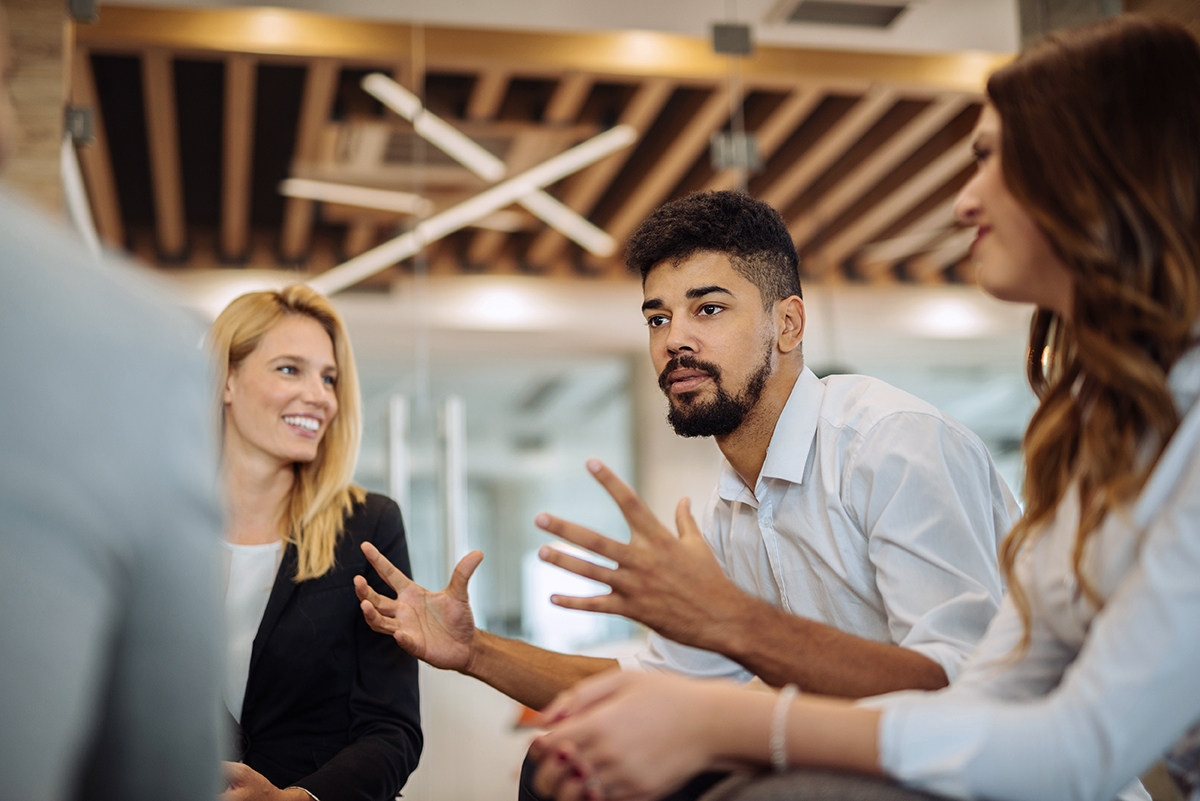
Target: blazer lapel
(281,593)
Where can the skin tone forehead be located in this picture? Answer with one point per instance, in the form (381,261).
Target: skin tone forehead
(292,338)
(719,278)
(987,129)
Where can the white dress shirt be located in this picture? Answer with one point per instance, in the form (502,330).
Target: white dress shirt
(873,513)
(1100,693)
(250,577)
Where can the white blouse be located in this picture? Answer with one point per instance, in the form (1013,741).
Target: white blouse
(250,576)
(1100,694)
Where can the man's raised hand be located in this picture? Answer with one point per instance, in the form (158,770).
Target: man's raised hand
(435,627)
(673,584)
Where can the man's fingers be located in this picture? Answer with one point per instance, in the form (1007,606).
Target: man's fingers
(583,537)
(379,623)
(573,564)
(386,570)
(641,520)
(462,575)
(685,524)
(608,604)
(365,592)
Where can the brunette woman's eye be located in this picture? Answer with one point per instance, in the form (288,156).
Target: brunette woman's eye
(288,369)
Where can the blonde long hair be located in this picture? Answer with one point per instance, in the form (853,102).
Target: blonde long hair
(313,515)
(1100,143)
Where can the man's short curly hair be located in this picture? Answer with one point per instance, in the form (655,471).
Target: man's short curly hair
(748,231)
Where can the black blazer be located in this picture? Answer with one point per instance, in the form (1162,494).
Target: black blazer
(330,705)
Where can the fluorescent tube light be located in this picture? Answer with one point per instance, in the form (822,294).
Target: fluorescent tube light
(328,192)
(465,213)
(484,164)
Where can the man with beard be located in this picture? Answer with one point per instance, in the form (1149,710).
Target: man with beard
(850,546)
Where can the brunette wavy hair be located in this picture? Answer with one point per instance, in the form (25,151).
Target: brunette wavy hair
(313,514)
(1100,143)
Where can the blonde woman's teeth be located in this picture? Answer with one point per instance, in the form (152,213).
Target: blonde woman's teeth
(303,422)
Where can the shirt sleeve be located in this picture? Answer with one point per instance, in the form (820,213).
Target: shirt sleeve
(933,508)
(1128,695)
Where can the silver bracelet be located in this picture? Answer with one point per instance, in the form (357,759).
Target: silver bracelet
(778,740)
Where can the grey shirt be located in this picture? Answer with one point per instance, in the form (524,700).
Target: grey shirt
(109,526)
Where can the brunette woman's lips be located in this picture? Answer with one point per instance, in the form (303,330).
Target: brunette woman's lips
(980,233)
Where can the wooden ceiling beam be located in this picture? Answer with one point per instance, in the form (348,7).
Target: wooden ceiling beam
(889,209)
(672,165)
(797,177)
(360,237)
(790,115)
(949,252)
(162,127)
(914,237)
(584,190)
(237,155)
(488,94)
(874,168)
(568,98)
(285,32)
(320,88)
(94,159)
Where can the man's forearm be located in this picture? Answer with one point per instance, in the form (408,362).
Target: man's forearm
(526,673)
(782,648)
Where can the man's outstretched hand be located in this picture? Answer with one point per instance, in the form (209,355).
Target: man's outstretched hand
(435,627)
(673,584)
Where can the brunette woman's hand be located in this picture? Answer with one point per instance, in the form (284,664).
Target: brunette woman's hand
(627,736)
(243,783)
(435,627)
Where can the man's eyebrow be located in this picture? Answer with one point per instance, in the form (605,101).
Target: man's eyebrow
(701,291)
(653,303)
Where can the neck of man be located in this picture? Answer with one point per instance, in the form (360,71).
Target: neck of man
(257,487)
(746,446)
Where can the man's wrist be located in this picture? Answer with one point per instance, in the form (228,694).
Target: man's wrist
(476,654)
(735,620)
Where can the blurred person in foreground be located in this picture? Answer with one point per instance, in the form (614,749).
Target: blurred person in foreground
(109,524)
(323,707)
(1087,203)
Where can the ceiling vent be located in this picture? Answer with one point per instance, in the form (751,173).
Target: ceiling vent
(832,12)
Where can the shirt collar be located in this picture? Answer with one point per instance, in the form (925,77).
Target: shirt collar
(795,431)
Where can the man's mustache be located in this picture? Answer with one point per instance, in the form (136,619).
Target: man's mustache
(691,363)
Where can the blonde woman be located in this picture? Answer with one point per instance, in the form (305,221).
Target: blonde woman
(324,708)
(1087,204)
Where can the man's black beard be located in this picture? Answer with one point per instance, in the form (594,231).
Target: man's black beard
(720,415)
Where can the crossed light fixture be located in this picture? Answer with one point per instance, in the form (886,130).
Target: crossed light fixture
(516,189)
(467,152)
(480,161)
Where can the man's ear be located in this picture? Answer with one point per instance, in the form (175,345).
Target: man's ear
(789,314)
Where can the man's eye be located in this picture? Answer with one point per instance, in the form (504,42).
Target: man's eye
(709,309)
(656,320)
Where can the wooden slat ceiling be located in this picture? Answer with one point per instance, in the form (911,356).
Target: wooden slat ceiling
(201,113)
